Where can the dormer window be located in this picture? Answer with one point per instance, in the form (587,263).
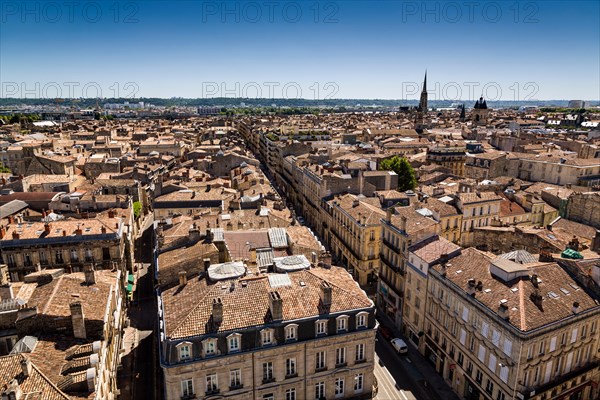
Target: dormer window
(291,332)
(184,351)
(342,323)
(361,320)
(210,347)
(234,342)
(266,337)
(321,327)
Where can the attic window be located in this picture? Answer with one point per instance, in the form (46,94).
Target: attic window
(553,295)
(514,290)
(459,271)
(565,291)
(302,283)
(487,290)
(574,286)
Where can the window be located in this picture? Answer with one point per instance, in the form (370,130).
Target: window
(358,383)
(339,387)
(184,352)
(320,361)
(235,378)
(361,320)
(291,332)
(290,394)
(484,329)
(479,376)
(463,336)
(481,353)
(43,259)
(542,347)
(340,356)
(500,396)
(268,396)
(504,373)
(212,386)
(492,362)
(266,336)
(210,347)
(59,257)
(342,323)
(74,255)
(320,391)
(88,255)
(290,367)
(461,358)
(233,342)
(360,352)
(507,347)
(187,388)
(489,387)
(267,371)
(321,327)
(495,338)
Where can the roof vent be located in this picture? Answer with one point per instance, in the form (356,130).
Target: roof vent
(575,308)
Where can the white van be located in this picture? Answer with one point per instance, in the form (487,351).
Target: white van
(399,345)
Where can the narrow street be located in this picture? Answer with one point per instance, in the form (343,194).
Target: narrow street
(139,377)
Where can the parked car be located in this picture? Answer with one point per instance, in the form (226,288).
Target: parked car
(385,332)
(399,345)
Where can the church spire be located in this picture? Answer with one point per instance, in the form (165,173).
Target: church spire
(423,100)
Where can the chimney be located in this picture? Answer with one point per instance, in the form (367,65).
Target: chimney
(471,287)
(111,214)
(596,242)
(388,215)
(182,279)
(503,309)
(403,221)
(78,320)
(11,219)
(355,203)
(78,231)
(325,293)
(2,231)
(313,258)
(194,233)
(64,232)
(575,308)
(444,269)
(13,391)
(217,310)
(534,281)
(536,298)
(90,274)
(276,306)
(47,228)
(16,235)
(26,367)
(103,229)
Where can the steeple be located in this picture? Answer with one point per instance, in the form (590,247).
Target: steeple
(423,100)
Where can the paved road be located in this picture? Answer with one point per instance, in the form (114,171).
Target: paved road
(140,377)
(396,376)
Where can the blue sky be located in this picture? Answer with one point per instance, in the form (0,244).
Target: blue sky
(312,49)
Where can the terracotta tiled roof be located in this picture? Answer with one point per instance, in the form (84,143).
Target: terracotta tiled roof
(36,384)
(523,313)
(188,309)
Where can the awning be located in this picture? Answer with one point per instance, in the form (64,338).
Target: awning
(130,278)
(130,287)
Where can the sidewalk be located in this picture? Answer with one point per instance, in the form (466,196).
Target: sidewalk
(433,384)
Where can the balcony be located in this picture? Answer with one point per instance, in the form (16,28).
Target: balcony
(391,246)
(188,396)
(213,391)
(236,386)
(320,369)
(341,364)
(268,380)
(291,376)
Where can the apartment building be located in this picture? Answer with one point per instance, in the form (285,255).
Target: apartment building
(354,235)
(399,232)
(307,334)
(421,257)
(451,155)
(478,209)
(496,329)
(104,242)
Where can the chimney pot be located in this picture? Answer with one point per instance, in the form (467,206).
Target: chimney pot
(26,367)
(276,306)
(78,320)
(326,293)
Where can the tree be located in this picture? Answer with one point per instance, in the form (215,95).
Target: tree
(137,209)
(406,173)
(4,170)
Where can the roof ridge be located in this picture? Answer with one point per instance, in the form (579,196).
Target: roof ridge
(522,305)
(51,297)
